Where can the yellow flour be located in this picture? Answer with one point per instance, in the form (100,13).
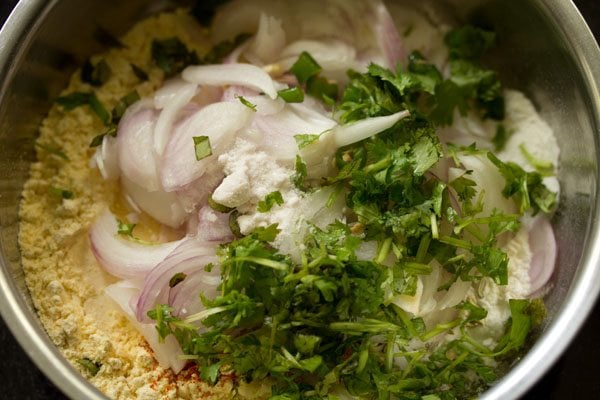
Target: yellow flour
(64,278)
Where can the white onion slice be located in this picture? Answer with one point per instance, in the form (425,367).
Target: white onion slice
(542,244)
(363,129)
(191,255)
(174,103)
(237,17)
(280,128)
(220,122)
(232,93)
(168,92)
(234,57)
(268,41)
(135,146)
(166,353)
(455,294)
(231,74)
(264,104)
(160,205)
(106,158)
(185,297)
(121,257)
(213,225)
(196,192)
(387,35)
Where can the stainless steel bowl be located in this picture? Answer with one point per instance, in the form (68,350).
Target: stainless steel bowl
(545,50)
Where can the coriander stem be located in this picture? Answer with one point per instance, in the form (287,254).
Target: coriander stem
(460,243)
(265,262)
(384,250)
(423,247)
(439,329)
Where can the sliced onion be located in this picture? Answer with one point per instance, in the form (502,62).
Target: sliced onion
(196,192)
(168,116)
(168,92)
(121,257)
(185,297)
(220,122)
(237,17)
(166,353)
(387,35)
(213,225)
(455,294)
(163,206)
(191,255)
(206,95)
(363,129)
(542,244)
(106,158)
(234,57)
(232,93)
(135,145)
(231,74)
(280,128)
(268,41)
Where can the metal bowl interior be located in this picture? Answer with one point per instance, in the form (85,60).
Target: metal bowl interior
(545,50)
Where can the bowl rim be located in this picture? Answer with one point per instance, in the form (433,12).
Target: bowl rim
(15,38)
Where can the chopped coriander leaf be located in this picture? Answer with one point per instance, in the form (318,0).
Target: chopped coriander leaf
(526,187)
(99,109)
(52,150)
(73,100)
(304,140)
(202,147)
(500,138)
(245,102)
(123,104)
(177,279)
(139,73)
(217,206)
(125,228)
(448,97)
(292,95)
(305,67)
(172,56)
(60,193)
(480,85)
(322,89)
(77,99)
(92,367)
(300,174)
(269,201)
(98,139)
(210,373)
(469,42)
(234,226)
(96,75)
(424,72)
(520,325)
